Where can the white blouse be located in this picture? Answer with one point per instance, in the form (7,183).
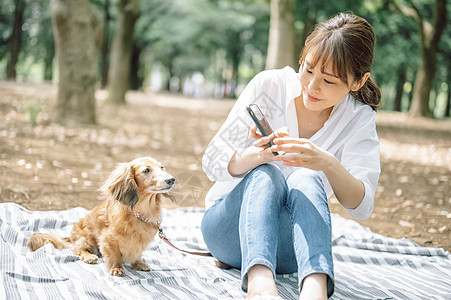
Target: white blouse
(349,134)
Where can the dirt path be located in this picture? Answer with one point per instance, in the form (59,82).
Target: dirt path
(50,167)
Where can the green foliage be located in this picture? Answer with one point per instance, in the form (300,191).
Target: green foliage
(6,19)
(37,38)
(219,37)
(397,45)
(184,36)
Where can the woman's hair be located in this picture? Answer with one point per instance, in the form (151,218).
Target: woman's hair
(348,41)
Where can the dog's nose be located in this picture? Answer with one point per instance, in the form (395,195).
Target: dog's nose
(170,181)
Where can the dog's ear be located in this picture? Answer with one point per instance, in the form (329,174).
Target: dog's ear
(121,185)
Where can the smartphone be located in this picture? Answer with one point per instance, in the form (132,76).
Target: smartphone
(261,122)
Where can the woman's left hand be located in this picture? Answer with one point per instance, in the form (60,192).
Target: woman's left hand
(301,153)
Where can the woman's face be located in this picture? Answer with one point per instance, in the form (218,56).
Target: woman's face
(321,89)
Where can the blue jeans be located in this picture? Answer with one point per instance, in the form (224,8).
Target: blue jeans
(281,223)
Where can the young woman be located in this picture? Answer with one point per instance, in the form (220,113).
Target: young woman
(267,213)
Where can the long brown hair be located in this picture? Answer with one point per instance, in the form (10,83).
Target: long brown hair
(348,41)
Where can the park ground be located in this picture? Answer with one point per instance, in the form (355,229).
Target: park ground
(45,166)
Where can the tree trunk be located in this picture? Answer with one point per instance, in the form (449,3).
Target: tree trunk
(50,51)
(448,103)
(430,37)
(235,73)
(422,88)
(235,56)
(409,97)
(48,61)
(104,63)
(399,89)
(75,29)
(136,80)
(281,35)
(121,51)
(16,40)
(170,68)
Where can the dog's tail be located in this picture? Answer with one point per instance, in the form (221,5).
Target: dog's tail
(37,240)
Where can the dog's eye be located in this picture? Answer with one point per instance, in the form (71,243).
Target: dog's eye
(146,170)
(162,167)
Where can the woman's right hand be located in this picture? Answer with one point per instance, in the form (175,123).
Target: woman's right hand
(266,155)
(258,154)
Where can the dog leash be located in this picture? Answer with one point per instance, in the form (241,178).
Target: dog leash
(163,236)
(218,263)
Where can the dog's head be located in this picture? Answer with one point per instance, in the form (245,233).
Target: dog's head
(141,176)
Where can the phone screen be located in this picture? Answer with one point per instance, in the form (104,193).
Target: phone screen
(261,122)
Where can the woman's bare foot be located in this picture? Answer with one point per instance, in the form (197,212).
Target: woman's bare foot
(260,282)
(314,287)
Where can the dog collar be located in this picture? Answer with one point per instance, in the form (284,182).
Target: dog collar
(143,219)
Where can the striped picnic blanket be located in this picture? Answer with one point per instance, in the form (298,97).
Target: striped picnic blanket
(367,265)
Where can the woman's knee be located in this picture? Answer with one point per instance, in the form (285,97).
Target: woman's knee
(267,173)
(304,177)
(305,184)
(267,180)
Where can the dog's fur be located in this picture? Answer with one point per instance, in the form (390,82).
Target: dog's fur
(111,227)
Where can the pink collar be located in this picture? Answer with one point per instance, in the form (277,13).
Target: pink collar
(140,217)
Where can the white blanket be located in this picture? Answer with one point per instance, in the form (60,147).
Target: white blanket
(367,265)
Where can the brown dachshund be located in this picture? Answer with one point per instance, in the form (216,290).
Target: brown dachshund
(124,224)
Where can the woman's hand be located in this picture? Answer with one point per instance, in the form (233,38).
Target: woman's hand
(302,153)
(266,154)
(258,154)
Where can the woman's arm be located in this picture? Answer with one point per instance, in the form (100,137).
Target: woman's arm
(245,160)
(348,189)
(249,158)
(303,153)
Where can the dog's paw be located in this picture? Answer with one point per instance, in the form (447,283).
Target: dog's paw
(140,266)
(90,259)
(117,272)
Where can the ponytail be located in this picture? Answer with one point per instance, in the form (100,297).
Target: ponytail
(369,94)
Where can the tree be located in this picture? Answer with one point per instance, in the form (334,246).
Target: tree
(36,45)
(430,33)
(77,31)
(16,39)
(281,34)
(39,44)
(399,90)
(49,50)
(396,50)
(448,103)
(121,50)
(173,33)
(104,7)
